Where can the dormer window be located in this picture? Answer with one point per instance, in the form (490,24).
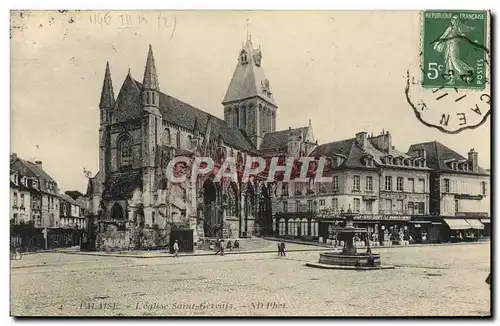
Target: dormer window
(35,183)
(417,164)
(15,178)
(244,57)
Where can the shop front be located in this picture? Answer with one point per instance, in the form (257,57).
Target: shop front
(487,227)
(385,229)
(425,229)
(462,228)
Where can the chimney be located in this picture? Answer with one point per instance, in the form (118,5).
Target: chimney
(473,160)
(13,157)
(362,139)
(289,128)
(39,164)
(309,122)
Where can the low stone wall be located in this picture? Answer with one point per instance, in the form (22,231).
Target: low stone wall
(147,238)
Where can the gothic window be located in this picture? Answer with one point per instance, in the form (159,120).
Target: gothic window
(166,137)
(179,138)
(231,202)
(125,151)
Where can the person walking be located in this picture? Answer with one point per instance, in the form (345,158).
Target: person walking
(176,249)
(279,249)
(217,246)
(283,253)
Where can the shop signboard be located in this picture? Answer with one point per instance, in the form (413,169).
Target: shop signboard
(382,218)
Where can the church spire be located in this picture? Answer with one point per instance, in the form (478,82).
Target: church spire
(249,31)
(150,80)
(107,94)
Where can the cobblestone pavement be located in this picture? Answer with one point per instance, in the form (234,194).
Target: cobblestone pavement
(428,281)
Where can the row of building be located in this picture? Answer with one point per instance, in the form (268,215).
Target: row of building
(429,193)
(35,198)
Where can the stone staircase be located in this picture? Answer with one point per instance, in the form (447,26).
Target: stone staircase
(246,244)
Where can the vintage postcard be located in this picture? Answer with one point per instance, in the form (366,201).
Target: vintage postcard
(250,163)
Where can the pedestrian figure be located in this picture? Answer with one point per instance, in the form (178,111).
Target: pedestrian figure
(283,249)
(217,246)
(488,280)
(222,248)
(279,249)
(176,248)
(229,245)
(236,244)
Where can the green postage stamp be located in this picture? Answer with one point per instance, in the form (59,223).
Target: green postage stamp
(454,49)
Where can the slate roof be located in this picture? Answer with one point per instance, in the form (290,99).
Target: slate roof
(121,185)
(185,116)
(30,169)
(68,199)
(354,153)
(438,153)
(278,139)
(249,80)
(346,147)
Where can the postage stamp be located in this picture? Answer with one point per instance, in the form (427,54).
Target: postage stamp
(453,44)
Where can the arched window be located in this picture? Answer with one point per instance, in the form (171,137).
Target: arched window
(314,228)
(290,226)
(179,138)
(282,227)
(304,230)
(117,212)
(236,117)
(153,218)
(166,137)
(125,151)
(231,202)
(274,225)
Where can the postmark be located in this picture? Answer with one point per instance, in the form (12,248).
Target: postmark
(442,89)
(453,44)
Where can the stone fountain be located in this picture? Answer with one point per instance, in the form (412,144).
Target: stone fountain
(349,257)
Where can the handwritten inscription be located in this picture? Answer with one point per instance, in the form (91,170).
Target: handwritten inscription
(160,20)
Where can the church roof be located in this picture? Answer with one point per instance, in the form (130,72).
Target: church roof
(278,139)
(121,185)
(185,116)
(249,79)
(437,154)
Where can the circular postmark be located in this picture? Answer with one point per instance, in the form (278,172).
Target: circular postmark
(449,89)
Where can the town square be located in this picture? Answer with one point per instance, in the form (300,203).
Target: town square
(174,163)
(59,284)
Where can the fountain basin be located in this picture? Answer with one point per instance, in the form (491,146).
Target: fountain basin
(339,259)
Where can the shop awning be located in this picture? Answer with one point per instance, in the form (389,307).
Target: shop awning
(420,222)
(485,220)
(475,224)
(457,223)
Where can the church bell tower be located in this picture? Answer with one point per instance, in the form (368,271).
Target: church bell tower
(249,103)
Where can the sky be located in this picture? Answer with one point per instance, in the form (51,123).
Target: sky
(346,71)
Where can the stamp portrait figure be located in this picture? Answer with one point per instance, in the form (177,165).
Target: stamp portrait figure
(449,45)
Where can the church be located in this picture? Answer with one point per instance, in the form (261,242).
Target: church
(142,129)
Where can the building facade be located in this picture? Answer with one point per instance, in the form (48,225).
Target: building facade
(71,214)
(34,193)
(459,190)
(384,186)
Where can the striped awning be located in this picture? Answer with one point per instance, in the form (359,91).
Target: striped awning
(485,220)
(475,224)
(457,223)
